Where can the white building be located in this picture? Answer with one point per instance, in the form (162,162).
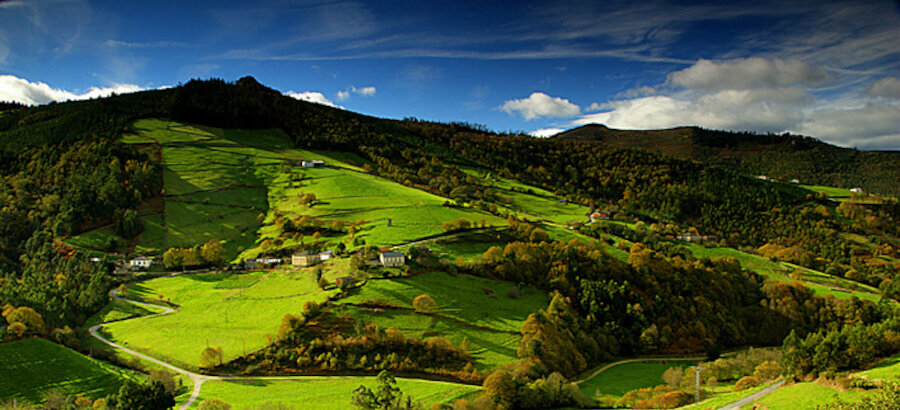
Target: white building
(856,190)
(141,262)
(313,163)
(326,255)
(391,259)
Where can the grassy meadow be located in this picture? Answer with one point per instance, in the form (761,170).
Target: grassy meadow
(235,311)
(466,310)
(808,395)
(622,378)
(326,392)
(32,367)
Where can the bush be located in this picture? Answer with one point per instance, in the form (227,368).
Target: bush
(670,400)
(767,370)
(745,383)
(673,376)
(214,404)
(425,304)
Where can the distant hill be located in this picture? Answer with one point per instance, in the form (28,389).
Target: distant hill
(783,157)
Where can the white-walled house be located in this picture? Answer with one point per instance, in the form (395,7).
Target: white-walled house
(391,259)
(140,262)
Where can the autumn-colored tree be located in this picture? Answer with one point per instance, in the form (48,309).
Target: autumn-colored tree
(425,304)
(213,252)
(500,388)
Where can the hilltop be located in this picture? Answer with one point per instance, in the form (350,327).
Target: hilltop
(781,156)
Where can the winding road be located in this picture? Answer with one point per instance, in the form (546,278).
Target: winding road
(197,378)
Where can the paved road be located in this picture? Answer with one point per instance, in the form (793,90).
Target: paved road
(752,398)
(197,378)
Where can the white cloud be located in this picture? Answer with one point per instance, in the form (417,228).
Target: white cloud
(545,132)
(870,126)
(888,87)
(313,97)
(365,91)
(13,88)
(539,105)
(746,73)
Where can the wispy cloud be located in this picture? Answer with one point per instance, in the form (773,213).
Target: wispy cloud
(149,44)
(363,91)
(313,97)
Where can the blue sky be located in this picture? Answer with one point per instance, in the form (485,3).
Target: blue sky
(820,68)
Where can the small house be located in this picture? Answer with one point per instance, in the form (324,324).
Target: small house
(689,237)
(856,190)
(263,261)
(326,255)
(598,216)
(392,259)
(314,163)
(345,280)
(563,201)
(304,259)
(795,181)
(762,177)
(141,262)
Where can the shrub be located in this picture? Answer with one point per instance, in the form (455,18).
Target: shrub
(214,404)
(745,383)
(767,370)
(670,400)
(425,304)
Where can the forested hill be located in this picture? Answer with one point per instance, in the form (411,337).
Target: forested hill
(783,157)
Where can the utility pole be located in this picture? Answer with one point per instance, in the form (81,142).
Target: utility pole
(697,370)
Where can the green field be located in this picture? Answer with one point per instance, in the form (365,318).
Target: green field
(802,396)
(324,393)
(235,311)
(31,367)
(466,311)
(889,368)
(118,310)
(622,378)
(723,394)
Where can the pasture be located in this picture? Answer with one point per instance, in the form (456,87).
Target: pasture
(888,368)
(235,311)
(476,309)
(327,393)
(807,395)
(31,367)
(622,378)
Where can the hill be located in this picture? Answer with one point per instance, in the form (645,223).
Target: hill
(783,157)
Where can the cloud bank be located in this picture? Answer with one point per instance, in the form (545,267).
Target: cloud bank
(311,96)
(17,89)
(764,95)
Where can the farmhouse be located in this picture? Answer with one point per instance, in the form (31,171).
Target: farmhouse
(856,190)
(689,237)
(313,163)
(326,255)
(598,216)
(141,262)
(304,259)
(391,259)
(264,261)
(795,181)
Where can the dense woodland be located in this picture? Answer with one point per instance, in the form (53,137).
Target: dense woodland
(62,174)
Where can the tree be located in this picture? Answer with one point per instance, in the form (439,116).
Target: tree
(387,396)
(133,395)
(32,321)
(211,357)
(500,389)
(213,252)
(425,304)
(673,376)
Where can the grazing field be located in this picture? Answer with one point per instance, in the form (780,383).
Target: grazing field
(808,395)
(723,395)
(888,369)
(532,202)
(326,392)
(31,367)
(478,310)
(118,310)
(234,311)
(830,191)
(622,378)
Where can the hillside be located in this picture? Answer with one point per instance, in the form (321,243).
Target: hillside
(783,157)
(506,282)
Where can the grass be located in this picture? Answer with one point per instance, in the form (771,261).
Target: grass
(622,378)
(723,394)
(235,311)
(32,367)
(807,395)
(324,392)
(466,311)
(889,368)
(218,181)
(532,202)
(118,310)
(830,191)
